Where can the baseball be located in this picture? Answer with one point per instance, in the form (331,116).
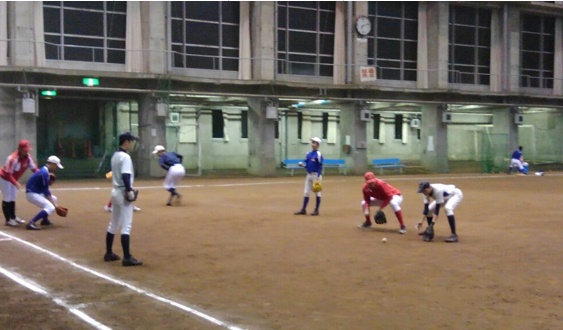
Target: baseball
(300,163)
(384,240)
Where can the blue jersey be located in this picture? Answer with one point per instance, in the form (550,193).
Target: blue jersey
(314,162)
(39,182)
(517,154)
(169,159)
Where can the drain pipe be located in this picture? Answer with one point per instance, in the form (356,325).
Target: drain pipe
(349,37)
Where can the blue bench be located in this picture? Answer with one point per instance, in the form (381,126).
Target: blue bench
(340,164)
(387,163)
(291,164)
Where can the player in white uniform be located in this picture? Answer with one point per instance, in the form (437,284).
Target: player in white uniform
(441,194)
(122,215)
(172,163)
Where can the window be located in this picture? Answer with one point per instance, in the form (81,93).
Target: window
(244,124)
(398,127)
(87,31)
(299,124)
(205,34)
(305,37)
(393,45)
(218,124)
(537,51)
(376,122)
(277,128)
(469,45)
(325,125)
(418,133)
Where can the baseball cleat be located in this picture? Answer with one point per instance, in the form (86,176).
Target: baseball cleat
(46,222)
(32,226)
(300,212)
(403,230)
(426,238)
(136,209)
(366,224)
(315,212)
(18,220)
(131,262)
(452,239)
(11,223)
(107,209)
(111,257)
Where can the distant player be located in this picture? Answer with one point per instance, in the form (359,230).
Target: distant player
(379,193)
(313,164)
(16,164)
(448,196)
(517,160)
(37,193)
(172,163)
(122,215)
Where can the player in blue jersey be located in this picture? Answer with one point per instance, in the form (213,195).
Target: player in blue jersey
(172,163)
(517,160)
(314,165)
(37,193)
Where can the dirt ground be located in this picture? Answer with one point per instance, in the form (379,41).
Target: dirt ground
(234,251)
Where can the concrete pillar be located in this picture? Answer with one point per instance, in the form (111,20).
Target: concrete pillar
(263,39)
(496,51)
(558,65)
(152,131)
(261,139)
(504,125)
(513,75)
(422,57)
(434,137)
(360,45)
(16,125)
(21,33)
(353,132)
(153,30)
(437,23)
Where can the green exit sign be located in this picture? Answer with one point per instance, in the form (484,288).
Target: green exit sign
(90,82)
(49,93)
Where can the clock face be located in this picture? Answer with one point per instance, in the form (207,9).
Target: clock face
(363,25)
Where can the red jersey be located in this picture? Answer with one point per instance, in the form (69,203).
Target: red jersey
(15,166)
(382,191)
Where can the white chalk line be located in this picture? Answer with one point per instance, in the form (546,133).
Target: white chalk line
(5,239)
(127,285)
(21,280)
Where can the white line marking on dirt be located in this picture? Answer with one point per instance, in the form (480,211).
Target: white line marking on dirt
(127,285)
(5,239)
(37,289)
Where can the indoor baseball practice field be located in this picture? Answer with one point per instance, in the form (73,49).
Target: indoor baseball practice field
(232,255)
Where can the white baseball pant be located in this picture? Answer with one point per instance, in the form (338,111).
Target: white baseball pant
(451,202)
(9,191)
(174,176)
(41,201)
(309,179)
(122,213)
(395,203)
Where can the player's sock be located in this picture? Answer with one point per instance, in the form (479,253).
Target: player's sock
(305,202)
(12,210)
(399,215)
(318,203)
(451,220)
(125,245)
(173,191)
(367,218)
(39,215)
(6,210)
(109,242)
(429,220)
(109,203)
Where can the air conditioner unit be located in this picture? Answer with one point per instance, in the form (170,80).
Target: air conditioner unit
(161,109)
(272,112)
(365,115)
(446,117)
(415,123)
(174,117)
(519,119)
(28,105)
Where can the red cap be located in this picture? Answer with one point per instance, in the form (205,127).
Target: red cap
(369,175)
(24,145)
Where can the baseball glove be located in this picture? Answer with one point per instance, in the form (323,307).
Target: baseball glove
(131,195)
(380,218)
(52,178)
(317,186)
(61,211)
(428,234)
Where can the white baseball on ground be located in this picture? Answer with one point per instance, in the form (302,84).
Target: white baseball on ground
(384,240)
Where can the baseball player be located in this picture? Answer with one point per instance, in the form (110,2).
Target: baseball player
(517,160)
(441,194)
(379,193)
(172,163)
(314,165)
(16,164)
(37,193)
(122,213)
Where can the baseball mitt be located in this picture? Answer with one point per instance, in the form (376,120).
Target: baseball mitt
(317,186)
(61,211)
(380,218)
(131,195)
(52,178)
(428,234)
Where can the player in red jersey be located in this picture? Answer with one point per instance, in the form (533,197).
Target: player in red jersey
(16,164)
(379,193)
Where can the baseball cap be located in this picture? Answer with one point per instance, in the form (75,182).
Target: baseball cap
(55,160)
(127,136)
(423,185)
(369,175)
(158,148)
(24,145)
(316,139)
